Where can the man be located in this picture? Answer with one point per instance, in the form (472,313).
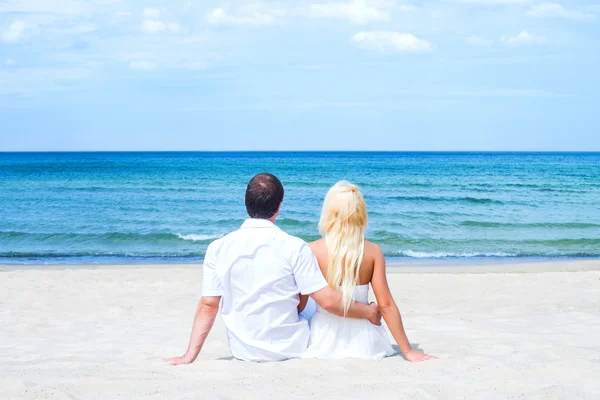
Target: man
(259,272)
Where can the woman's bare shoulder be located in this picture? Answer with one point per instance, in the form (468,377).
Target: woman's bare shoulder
(318,246)
(372,250)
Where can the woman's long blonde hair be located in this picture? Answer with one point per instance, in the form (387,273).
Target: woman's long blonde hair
(342,224)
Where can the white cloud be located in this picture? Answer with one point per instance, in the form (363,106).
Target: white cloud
(391,42)
(63,7)
(195,39)
(405,7)
(122,14)
(173,26)
(151,26)
(192,65)
(553,10)
(85,28)
(497,93)
(151,13)
(250,16)
(28,81)
(355,11)
(479,41)
(152,23)
(494,2)
(142,65)
(14,32)
(524,39)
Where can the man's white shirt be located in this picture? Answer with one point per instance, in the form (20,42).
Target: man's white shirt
(259,271)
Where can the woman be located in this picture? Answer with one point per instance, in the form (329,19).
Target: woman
(350,263)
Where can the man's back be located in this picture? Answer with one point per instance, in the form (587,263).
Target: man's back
(259,271)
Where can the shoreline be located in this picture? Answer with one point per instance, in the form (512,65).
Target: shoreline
(424,267)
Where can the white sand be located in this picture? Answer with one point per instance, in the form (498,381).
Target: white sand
(101,333)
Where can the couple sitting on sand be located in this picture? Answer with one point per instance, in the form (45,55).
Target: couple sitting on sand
(282,298)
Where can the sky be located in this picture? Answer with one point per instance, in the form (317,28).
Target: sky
(299,75)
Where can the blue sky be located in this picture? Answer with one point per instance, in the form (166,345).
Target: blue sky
(299,75)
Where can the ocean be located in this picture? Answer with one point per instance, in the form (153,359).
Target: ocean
(155,207)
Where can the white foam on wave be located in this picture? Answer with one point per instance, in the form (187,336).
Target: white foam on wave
(444,254)
(196,237)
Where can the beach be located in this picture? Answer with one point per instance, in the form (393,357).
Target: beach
(515,331)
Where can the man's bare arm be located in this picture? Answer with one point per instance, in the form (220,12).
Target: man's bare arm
(331,300)
(207,311)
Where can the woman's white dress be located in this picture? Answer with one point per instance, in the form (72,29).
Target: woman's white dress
(333,337)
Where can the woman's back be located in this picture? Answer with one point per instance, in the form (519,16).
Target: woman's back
(319,248)
(350,264)
(334,337)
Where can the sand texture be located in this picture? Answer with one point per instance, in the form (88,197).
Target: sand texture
(101,333)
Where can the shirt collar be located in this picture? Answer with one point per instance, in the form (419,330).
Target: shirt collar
(258,223)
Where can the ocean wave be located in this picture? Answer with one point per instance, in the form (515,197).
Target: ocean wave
(291,222)
(108,237)
(556,225)
(123,189)
(418,215)
(560,190)
(499,254)
(557,187)
(449,254)
(100,254)
(307,184)
(550,245)
(467,199)
(85,257)
(558,243)
(197,237)
(522,185)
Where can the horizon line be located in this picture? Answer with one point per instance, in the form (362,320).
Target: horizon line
(297,151)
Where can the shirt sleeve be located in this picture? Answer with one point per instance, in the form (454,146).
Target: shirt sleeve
(307,273)
(211,285)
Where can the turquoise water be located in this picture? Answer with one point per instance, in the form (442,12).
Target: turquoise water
(155,207)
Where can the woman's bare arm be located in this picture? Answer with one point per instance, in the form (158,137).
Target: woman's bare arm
(389,309)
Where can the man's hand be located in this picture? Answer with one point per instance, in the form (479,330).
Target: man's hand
(418,356)
(184,359)
(375,318)
(207,311)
